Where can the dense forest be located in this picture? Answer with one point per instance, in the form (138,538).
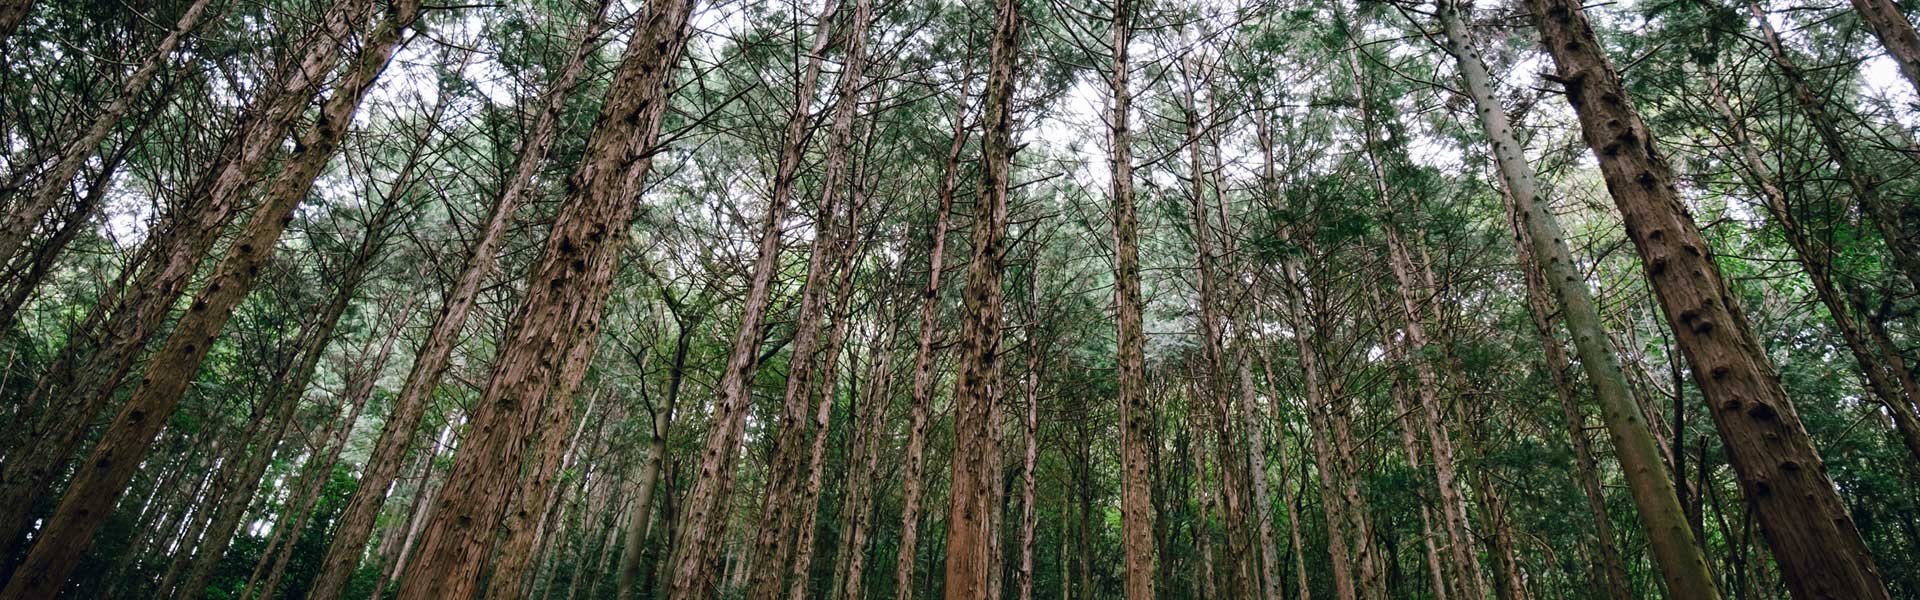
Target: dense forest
(897,299)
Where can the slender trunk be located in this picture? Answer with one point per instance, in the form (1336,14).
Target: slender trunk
(1819,550)
(871,430)
(533,514)
(1894,388)
(1662,517)
(553,335)
(1030,432)
(1612,573)
(58,179)
(970,505)
(104,476)
(1330,501)
(848,257)
(913,481)
(1897,34)
(786,502)
(662,423)
(707,502)
(433,357)
(176,254)
(1136,413)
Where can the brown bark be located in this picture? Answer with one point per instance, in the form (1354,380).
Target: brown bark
(533,513)
(1895,33)
(786,506)
(1674,546)
(12,12)
(1887,22)
(707,503)
(552,337)
(1306,332)
(87,376)
(54,183)
(971,503)
(1819,551)
(1136,414)
(807,505)
(913,480)
(870,432)
(433,357)
(103,478)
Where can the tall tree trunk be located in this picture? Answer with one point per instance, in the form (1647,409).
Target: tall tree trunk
(58,179)
(1895,33)
(534,514)
(775,542)
(1887,216)
(1330,500)
(660,425)
(87,376)
(1894,388)
(431,360)
(913,483)
(1611,571)
(1136,413)
(1819,551)
(553,335)
(847,256)
(707,502)
(1662,517)
(870,433)
(104,476)
(971,503)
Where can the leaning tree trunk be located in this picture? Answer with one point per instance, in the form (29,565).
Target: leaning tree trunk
(658,428)
(1894,388)
(1675,550)
(970,506)
(88,377)
(1815,542)
(1612,573)
(775,542)
(58,179)
(1888,218)
(544,358)
(431,360)
(104,476)
(1136,413)
(1330,500)
(1896,34)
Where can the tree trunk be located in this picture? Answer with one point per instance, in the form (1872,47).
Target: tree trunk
(913,481)
(1819,551)
(174,256)
(661,424)
(1330,500)
(552,337)
(970,504)
(58,179)
(1136,413)
(1612,573)
(847,256)
(433,357)
(1675,550)
(707,502)
(103,478)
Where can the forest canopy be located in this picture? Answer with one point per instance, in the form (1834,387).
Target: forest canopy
(896,299)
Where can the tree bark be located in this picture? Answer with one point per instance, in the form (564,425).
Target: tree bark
(103,478)
(970,505)
(1815,542)
(58,179)
(706,509)
(433,357)
(174,255)
(553,336)
(913,480)
(1675,550)
(1136,414)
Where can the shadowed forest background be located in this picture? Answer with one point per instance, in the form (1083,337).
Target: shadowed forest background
(896,299)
